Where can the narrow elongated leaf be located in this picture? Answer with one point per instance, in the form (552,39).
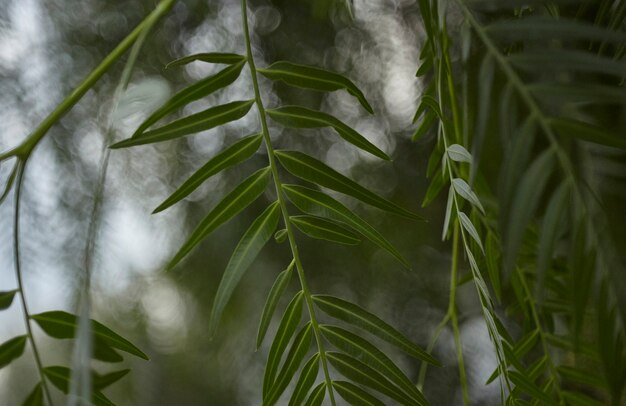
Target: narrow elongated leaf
(360,373)
(60,324)
(562,60)
(6,298)
(543,28)
(104,352)
(525,385)
(458,153)
(233,203)
(60,377)
(357,316)
(205,120)
(448,214)
(526,200)
(297,352)
(103,381)
(301,117)
(367,353)
(233,155)
(549,234)
(355,395)
(286,329)
(209,57)
(579,399)
(437,183)
(306,380)
(463,189)
(485,84)
(281,235)
(424,126)
(588,132)
(317,227)
(584,377)
(192,93)
(35,398)
(12,349)
(312,170)
(578,93)
(320,204)
(317,395)
(278,288)
(245,253)
(309,77)
(471,230)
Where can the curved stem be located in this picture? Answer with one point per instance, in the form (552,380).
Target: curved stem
(283,205)
(24,149)
(20,283)
(453,314)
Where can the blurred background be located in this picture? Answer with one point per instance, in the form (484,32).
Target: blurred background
(48,46)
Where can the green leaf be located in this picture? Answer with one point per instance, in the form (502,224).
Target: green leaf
(485,85)
(309,77)
(35,398)
(278,288)
(6,298)
(297,352)
(12,349)
(103,381)
(367,353)
(360,373)
(301,117)
(588,132)
(60,377)
(205,120)
(233,155)
(578,93)
(312,170)
(424,126)
(569,61)
(281,235)
(584,377)
(233,203)
(555,212)
(579,399)
(448,213)
(306,380)
(286,329)
(317,395)
(463,189)
(244,255)
(527,197)
(320,204)
(104,352)
(317,227)
(458,153)
(436,184)
(544,28)
(60,324)
(194,92)
(471,230)
(527,386)
(357,316)
(210,57)
(355,395)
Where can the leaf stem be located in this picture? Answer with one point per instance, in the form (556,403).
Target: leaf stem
(20,283)
(27,146)
(283,204)
(453,313)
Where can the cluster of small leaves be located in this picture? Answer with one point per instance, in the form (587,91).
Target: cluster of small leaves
(543,74)
(323,217)
(62,325)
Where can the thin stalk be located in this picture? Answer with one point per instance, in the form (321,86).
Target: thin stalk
(453,313)
(283,204)
(436,333)
(20,284)
(33,139)
(81,379)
